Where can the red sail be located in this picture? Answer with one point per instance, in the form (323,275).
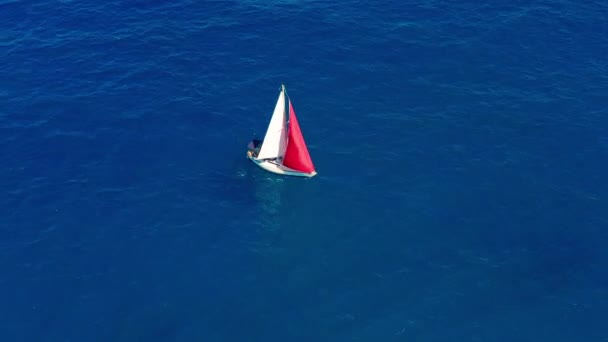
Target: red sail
(296,154)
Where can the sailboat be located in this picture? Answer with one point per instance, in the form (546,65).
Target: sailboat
(283,150)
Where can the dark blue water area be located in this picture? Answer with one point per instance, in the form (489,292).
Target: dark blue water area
(462,152)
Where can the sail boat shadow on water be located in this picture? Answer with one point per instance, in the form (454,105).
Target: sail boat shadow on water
(283,150)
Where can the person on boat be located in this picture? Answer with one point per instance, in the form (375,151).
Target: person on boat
(254,148)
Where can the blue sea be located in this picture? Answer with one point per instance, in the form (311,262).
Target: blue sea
(461,150)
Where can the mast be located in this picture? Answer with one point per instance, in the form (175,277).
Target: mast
(286,123)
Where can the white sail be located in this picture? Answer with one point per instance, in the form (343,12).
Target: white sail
(275,140)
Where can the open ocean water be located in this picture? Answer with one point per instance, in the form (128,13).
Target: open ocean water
(462,151)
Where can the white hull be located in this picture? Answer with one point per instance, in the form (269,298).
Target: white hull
(273,167)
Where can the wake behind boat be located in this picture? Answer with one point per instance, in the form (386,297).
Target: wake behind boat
(283,150)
